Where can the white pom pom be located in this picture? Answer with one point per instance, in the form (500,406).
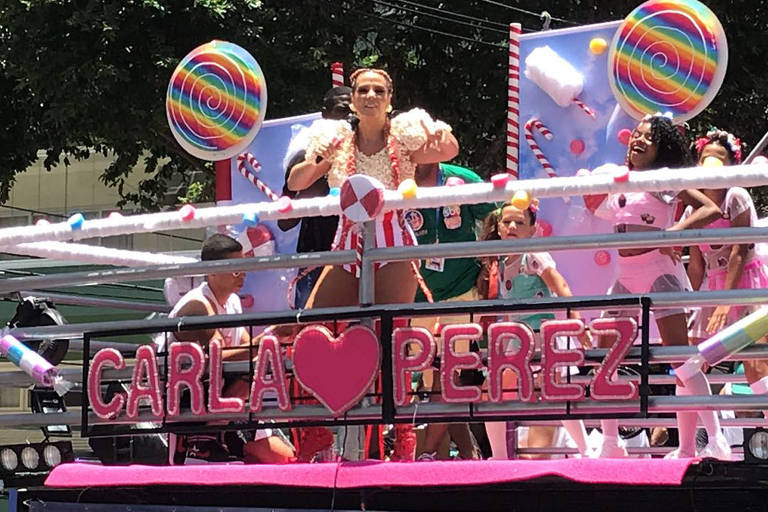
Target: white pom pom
(554,75)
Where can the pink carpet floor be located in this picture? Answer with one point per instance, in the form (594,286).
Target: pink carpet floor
(351,475)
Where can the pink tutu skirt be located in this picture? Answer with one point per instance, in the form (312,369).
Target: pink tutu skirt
(755,276)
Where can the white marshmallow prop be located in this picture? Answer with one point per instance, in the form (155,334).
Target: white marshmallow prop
(555,76)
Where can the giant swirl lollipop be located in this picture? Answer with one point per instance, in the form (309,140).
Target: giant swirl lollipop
(216,101)
(668,56)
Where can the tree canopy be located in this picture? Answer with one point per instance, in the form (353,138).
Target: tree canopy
(90,75)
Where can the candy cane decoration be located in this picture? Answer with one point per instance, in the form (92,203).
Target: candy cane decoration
(250,176)
(539,126)
(513,102)
(587,110)
(337,74)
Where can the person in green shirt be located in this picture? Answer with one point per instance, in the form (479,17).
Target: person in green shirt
(447,279)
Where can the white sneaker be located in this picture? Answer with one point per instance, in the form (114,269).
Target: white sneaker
(616,450)
(677,454)
(427,457)
(717,448)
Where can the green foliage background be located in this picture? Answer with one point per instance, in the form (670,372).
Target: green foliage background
(80,74)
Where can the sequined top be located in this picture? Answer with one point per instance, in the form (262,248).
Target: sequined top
(405,128)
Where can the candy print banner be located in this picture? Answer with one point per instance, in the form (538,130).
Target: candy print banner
(269,149)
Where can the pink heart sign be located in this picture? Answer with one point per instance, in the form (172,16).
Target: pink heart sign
(337,371)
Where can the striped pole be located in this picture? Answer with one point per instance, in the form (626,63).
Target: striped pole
(539,126)
(250,176)
(337,74)
(513,101)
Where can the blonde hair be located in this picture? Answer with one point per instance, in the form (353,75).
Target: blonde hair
(354,76)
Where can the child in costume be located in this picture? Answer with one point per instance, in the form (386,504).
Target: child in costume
(657,143)
(524,276)
(727,267)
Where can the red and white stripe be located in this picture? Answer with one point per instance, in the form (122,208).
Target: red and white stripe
(337,74)
(587,110)
(251,176)
(539,126)
(391,231)
(513,101)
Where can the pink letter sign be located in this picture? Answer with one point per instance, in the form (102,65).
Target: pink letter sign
(452,361)
(510,346)
(625,330)
(553,359)
(189,375)
(269,357)
(146,369)
(110,410)
(403,364)
(217,404)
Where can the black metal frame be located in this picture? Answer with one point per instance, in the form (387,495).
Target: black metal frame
(386,314)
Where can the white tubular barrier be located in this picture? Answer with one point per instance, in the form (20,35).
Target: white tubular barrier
(447,250)
(96,254)
(647,181)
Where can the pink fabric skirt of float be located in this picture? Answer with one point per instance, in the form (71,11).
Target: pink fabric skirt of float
(755,275)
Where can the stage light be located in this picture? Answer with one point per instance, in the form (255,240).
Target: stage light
(756,445)
(30,458)
(8,459)
(52,455)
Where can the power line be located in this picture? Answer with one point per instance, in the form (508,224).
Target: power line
(442,18)
(430,30)
(530,13)
(456,14)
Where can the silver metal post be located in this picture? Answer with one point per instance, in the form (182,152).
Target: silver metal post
(757,149)
(83,300)
(367,285)
(307,259)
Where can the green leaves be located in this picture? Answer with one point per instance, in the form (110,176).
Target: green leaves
(93,74)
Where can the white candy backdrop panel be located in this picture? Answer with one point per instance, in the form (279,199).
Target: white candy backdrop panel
(266,291)
(568,126)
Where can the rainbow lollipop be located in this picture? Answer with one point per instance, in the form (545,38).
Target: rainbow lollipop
(668,56)
(216,101)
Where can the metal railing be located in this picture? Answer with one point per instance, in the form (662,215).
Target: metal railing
(646,181)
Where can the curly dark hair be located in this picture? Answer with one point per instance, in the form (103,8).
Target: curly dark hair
(672,147)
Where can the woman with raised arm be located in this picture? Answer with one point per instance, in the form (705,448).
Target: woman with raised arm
(388,149)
